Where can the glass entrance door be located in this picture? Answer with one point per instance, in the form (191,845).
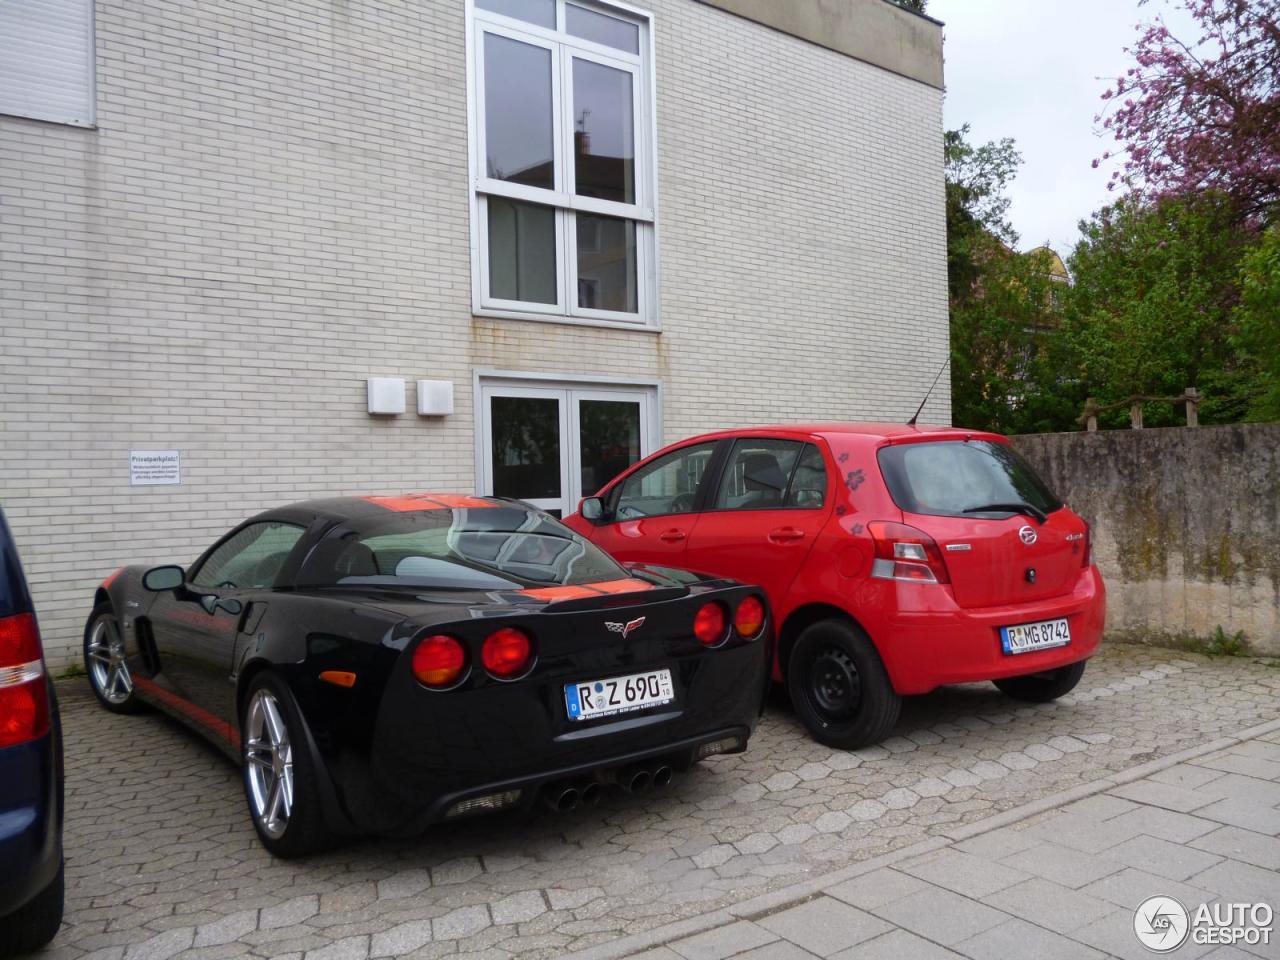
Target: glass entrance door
(551,445)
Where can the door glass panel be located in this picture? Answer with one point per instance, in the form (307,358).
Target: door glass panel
(668,485)
(541,12)
(604,132)
(602,28)
(809,485)
(608,439)
(253,558)
(607,263)
(525,439)
(757,476)
(518,117)
(522,251)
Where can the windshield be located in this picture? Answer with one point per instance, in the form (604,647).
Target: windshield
(490,548)
(951,478)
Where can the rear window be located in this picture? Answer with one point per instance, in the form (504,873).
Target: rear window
(13,589)
(951,478)
(464,548)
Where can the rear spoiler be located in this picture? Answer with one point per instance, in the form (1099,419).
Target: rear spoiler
(612,601)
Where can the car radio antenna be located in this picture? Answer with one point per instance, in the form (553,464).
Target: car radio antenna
(916,416)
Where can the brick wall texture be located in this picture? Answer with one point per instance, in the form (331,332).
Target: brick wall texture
(274,206)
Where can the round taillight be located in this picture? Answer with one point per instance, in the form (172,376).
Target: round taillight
(439,661)
(708,625)
(749,618)
(506,652)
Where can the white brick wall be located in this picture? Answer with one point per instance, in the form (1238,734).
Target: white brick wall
(274,207)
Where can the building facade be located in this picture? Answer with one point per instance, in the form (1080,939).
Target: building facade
(588,228)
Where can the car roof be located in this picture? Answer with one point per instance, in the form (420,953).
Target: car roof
(384,505)
(871,429)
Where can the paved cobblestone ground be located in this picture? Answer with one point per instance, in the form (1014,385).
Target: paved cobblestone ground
(162,859)
(1064,883)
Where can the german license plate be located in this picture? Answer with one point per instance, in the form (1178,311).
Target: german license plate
(605,698)
(1026,637)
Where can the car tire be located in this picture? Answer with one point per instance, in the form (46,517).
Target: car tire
(1042,687)
(281,781)
(104,662)
(839,686)
(33,925)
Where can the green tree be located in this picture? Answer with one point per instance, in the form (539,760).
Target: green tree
(1005,363)
(1258,316)
(1152,309)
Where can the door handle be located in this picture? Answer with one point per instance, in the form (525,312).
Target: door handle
(671,536)
(785,535)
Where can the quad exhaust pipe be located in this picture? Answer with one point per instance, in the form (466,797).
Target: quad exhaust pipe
(564,796)
(638,778)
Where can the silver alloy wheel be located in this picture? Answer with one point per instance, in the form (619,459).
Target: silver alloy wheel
(107,665)
(268,757)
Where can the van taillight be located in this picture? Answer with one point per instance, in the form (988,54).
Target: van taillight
(24,694)
(905,553)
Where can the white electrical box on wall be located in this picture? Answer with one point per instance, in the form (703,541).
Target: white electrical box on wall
(435,398)
(386,395)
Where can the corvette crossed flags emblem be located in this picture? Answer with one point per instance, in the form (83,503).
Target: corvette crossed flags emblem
(624,628)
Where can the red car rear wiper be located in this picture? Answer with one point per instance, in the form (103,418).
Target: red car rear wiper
(1025,508)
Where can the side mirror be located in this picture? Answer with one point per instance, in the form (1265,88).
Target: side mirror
(162,579)
(592,509)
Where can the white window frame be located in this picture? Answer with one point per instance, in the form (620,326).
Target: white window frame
(562,198)
(485,382)
(28,102)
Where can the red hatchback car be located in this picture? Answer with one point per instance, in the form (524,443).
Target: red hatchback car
(897,559)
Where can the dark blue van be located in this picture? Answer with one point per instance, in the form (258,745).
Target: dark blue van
(30,771)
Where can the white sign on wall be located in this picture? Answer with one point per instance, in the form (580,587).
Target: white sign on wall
(154,467)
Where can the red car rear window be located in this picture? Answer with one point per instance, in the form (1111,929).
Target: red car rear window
(952,478)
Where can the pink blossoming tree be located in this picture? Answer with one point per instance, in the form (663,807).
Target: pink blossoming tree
(1203,115)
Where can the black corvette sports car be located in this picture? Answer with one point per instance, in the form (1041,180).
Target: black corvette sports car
(377,664)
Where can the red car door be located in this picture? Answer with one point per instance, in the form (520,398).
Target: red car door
(651,513)
(764,516)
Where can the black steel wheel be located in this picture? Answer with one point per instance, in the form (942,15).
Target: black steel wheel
(839,686)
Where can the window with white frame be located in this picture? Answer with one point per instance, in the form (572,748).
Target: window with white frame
(47,60)
(563,161)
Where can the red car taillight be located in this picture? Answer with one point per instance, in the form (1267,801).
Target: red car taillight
(24,695)
(905,553)
(439,661)
(749,617)
(506,653)
(708,625)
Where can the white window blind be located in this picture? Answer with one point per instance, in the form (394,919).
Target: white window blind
(47,60)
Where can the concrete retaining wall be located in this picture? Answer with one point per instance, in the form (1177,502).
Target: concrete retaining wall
(1186,525)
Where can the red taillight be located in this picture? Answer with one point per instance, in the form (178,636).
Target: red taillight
(439,661)
(24,711)
(905,553)
(708,625)
(506,652)
(749,617)
(19,640)
(24,696)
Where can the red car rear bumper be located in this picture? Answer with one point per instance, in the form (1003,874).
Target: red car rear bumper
(927,640)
